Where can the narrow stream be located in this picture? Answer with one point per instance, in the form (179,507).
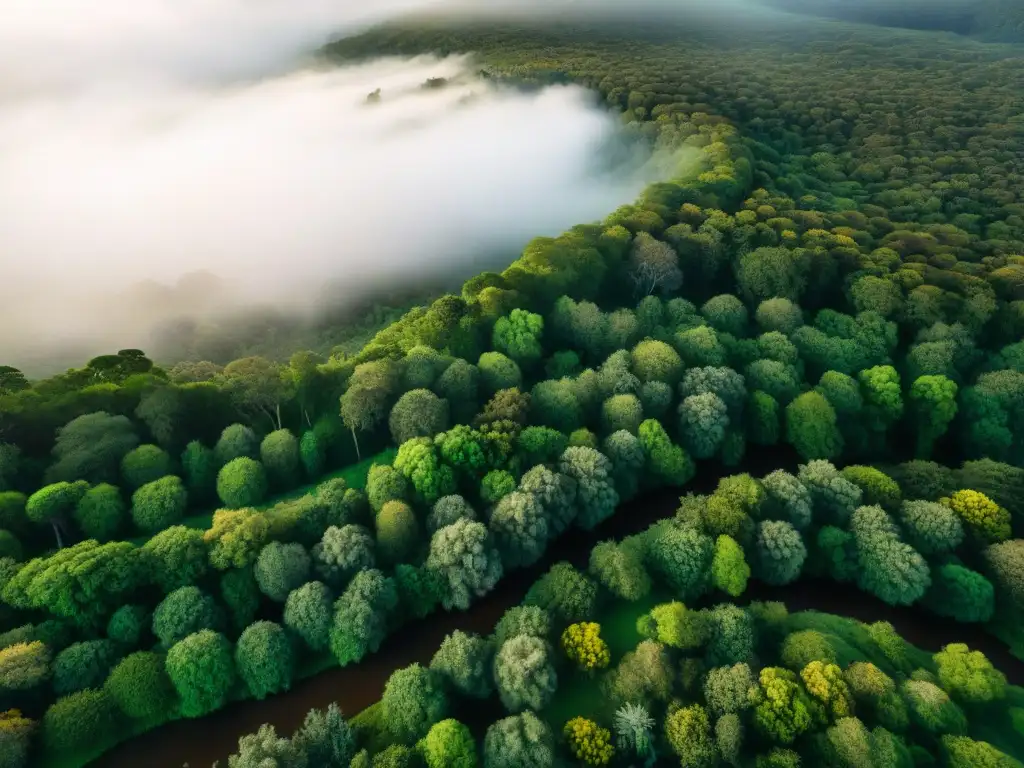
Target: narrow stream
(199,742)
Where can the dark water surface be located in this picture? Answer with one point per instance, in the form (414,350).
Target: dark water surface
(200,742)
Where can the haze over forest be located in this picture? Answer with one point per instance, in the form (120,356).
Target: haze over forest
(169,138)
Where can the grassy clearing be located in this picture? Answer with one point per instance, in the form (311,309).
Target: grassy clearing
(354,476)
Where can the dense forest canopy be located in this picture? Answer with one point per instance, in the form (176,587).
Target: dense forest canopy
(828,277)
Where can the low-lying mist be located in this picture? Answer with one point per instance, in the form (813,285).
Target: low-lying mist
(143,141)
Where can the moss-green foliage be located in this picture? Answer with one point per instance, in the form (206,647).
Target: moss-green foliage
(413,701)
(524,673)
(79,721)
(184,611)
(144,465)
(202,670)
(100,513)
(159,504)
(448,743)
(264,659)
(565,593)
(242,482)
(140,687)
(84,665)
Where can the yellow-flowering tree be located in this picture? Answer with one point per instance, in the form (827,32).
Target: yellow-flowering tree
(825,683)
(583,645)
(588,741)
(985,520)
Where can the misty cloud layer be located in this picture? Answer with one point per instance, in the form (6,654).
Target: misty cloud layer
(145,140)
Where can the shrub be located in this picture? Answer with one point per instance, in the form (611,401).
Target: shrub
(241,482)
(24,665)
(962,752)
(728,690)
(264,659)
(932,709)
(140,687)
(178,557)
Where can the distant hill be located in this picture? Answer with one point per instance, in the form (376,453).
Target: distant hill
(990,20)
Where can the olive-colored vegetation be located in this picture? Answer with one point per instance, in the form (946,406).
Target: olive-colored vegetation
(835,270)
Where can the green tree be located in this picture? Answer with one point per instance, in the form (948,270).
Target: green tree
(419,462)
(968,675)
(202,670)
(960,594)
(362,616)
(144,465)
(619,568)
(140,687)
(177,557)
(518,335)
(703,420)
(84,665)
(729,569)
(326,738)
(682,557)
(784,710)
(811,427)
(418,413)
(90,447)
(199,467)
(565,593)
(778,314)
(242,482)
(397,532)
(688,731)
(342,552)
(236,441)
(498,372)
(265,748)
(524,673)
(279,455)
(963,752)
(465,558)
(780,552)
(464,662)
(519,741)
(413,701)
(309,612)
(264,659)
(656,361)
(280,568)
(159,504)
(183,612)
(79,722)
(731,689)
(933,405)
(101,512)
(53,504)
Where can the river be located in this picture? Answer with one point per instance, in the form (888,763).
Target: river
(200,742)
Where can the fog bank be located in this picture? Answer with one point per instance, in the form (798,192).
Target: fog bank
(142,141)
